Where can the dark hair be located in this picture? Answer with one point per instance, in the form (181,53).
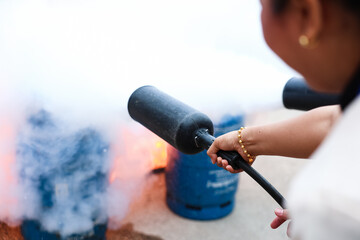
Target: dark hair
(350,5)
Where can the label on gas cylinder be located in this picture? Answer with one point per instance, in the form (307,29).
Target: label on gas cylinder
(222,181)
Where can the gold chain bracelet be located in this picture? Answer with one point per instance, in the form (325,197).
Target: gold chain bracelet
(249,156)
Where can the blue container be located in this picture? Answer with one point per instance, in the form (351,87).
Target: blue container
(67,177)
(196,188)
(32,230)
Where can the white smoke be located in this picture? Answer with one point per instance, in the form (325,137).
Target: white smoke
(80,61)
(63,173)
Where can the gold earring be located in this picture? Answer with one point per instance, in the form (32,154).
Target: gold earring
(304,41)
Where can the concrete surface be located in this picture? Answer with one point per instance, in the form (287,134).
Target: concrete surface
(253,212)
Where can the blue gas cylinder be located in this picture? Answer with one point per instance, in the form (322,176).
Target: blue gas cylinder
(196,188)
(65,177)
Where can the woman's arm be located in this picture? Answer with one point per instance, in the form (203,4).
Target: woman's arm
(297,137)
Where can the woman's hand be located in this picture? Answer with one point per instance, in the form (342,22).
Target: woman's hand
(282,215)
(226,142)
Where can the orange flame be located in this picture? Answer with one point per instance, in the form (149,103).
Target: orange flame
(159,157)
(137,153)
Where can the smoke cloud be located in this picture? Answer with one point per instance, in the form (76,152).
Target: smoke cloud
(70,155)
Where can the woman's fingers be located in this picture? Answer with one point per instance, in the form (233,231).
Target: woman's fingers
(213,149)
(277,222)
(281,216)
(223,163)
(219,161)
(282,213)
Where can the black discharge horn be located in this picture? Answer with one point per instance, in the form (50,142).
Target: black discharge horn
(298,95)
(186,129)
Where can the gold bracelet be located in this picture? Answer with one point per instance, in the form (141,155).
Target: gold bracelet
(249,156)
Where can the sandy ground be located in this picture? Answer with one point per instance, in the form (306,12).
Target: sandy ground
(150,218)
